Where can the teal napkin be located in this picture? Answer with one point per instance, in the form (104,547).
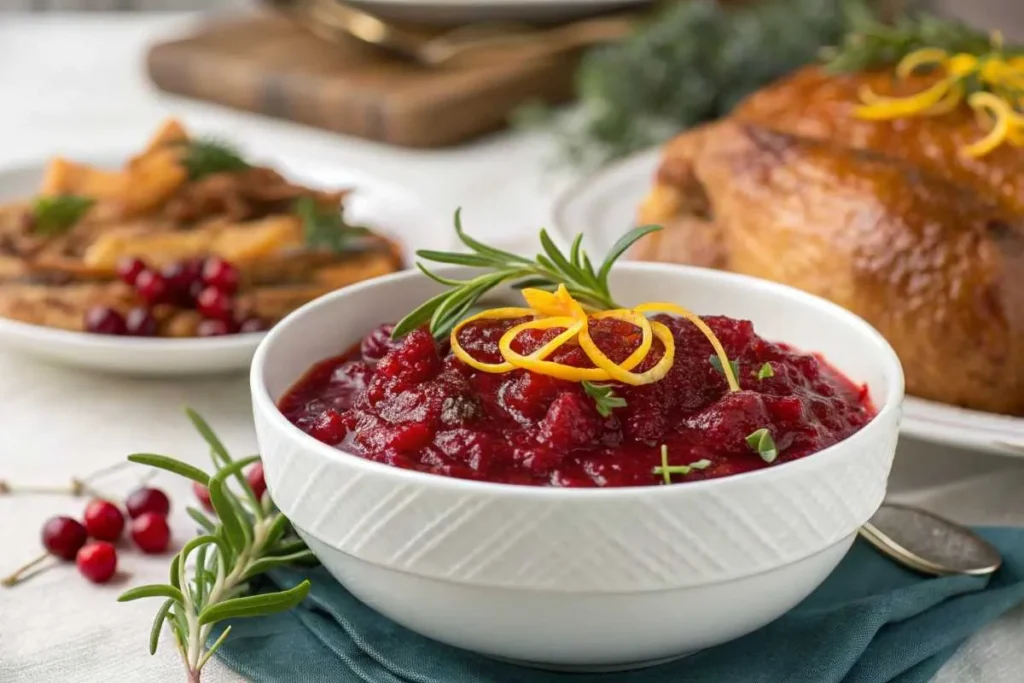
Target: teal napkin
(870,622)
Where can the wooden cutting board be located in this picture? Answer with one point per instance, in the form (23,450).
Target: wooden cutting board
(268,65)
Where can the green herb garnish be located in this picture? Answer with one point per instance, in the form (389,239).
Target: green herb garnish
(765,371)
(870,43)
(604,399)
(250,537)
(666,471)
(716,363)
(587,284)
(56,215)
(763,444)
(692,62)
(325,228)
(205,156)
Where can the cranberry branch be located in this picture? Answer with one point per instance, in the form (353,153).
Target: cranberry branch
(249,537)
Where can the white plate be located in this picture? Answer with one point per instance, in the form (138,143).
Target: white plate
(603,205)
(375,203)
(460,11)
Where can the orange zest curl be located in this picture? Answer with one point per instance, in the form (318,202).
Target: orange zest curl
(998,102)
(560,310)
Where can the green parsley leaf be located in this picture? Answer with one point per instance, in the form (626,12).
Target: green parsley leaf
(325,228)
(604,398)
(716,363)
(206,156)
(56,215)
(765,371)
(763,444)
(666,470)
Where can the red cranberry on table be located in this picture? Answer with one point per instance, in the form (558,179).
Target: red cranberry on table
(203,494)
(63,537)
(97,561)
(147,500)
(220,274)
(215,304)
(213,328)
(151,533)
(152,287)
(256,480)
(103,520)
(140,323)
(128,269)
(103,320)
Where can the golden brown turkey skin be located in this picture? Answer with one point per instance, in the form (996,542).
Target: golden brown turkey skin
(934,266)
(813,103)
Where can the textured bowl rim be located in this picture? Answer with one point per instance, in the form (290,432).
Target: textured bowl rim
(883,353)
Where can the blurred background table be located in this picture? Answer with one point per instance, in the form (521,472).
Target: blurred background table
(75,83)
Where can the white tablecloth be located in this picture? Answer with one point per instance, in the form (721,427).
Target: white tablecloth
(76,83)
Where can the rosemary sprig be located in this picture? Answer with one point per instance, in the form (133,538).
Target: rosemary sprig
(206,156)
(604,398)
(56,215)
(666,471)
(762,443)
(870,43)
(691,62)
(325,228)
(250,537)
(587,284)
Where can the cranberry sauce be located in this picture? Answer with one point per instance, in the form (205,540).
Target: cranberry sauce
(413,404)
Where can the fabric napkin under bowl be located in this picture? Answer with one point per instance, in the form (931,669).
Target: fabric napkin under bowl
(871,621)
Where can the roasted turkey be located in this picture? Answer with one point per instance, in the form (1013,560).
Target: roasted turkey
(886,218)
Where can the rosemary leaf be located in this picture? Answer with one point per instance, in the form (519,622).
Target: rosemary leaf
(171,465)
(255,605)
(154,590)
(158,625)
(267,563)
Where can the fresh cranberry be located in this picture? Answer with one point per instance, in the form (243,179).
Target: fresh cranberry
(202,495)
(103,520)
(151,533)
(215,304)
(329,427)
(63,536)
(146,499)
(180,278)
(152,287)
(213,328)
(97,561)
(256,480)
(377,343)
(220,274)
(128,269)
(103,320)
(140,323)
(253,324)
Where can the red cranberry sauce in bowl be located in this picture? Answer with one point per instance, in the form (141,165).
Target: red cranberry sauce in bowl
(413,404)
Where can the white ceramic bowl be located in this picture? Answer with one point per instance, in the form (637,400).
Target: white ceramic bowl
(581,578)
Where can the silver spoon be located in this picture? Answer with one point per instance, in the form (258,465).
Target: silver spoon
(929,544)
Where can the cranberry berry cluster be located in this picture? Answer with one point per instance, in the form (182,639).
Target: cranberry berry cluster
(90,543)
(206,285)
